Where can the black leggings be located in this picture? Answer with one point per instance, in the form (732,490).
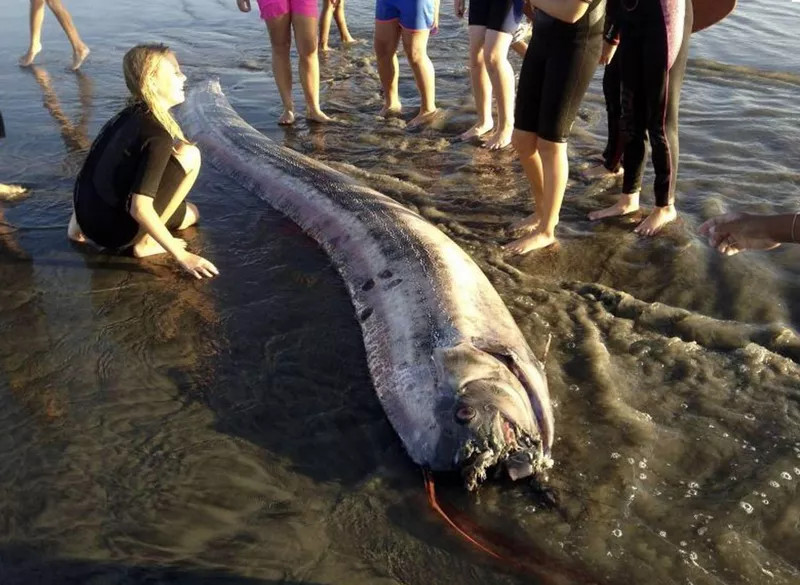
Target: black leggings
(650,100)
(612,92)
(556,72)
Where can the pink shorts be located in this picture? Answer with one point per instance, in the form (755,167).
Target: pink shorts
(275,8)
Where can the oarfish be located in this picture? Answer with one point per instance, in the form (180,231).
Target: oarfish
(453,372)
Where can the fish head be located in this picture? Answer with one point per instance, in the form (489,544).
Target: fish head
(496,424)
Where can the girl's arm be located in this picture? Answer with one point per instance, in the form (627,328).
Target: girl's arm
(144,213)
(567,10)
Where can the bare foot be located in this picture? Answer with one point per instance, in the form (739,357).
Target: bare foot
(476,131)
(349,40)
(655,222)
(628,203)
(324,48)
(391,110)
(500,139)
(535,241)
(147,246)
(11,190)
(27,58)
(74,232)
(601,172)
(526,225)
(318,116)
(421,119)
(79,56)
(287,118)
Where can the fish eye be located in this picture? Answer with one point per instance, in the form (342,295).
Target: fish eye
(464,414)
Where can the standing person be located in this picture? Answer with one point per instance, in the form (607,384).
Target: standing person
(492,24)
(333,10)
(132,188)
(411,21)
(8,190)
(556,72)
(79,49)
(654,52)
(281,17)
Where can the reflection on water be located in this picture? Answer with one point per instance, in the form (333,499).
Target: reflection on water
(161,430)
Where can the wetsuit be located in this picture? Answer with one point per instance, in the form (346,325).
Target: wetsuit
(556,72)
(499,15)
(131,155)
(653,53)
(2,127)
(612,92)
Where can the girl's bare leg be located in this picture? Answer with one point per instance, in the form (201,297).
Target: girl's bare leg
(36,21)
(305,37)
(280,37)
(481,84)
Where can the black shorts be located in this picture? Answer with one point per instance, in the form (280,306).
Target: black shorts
(556,72)
(115,228)
(493,14)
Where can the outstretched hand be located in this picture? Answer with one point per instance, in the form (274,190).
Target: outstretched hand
(732,233)
(244,5)
(197,266)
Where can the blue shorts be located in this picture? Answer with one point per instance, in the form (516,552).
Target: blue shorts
(412,14)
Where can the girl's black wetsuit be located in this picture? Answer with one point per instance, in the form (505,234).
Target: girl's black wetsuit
(651,36)
(132,155)
(612,92)
(556,72)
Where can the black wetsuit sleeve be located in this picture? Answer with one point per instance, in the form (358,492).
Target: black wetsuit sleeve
(611,28)
(156,151)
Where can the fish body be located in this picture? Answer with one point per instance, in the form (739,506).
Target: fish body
(453,372)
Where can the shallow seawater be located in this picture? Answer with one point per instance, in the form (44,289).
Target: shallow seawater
(160,430)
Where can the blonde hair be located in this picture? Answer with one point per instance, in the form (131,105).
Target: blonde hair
(139,66)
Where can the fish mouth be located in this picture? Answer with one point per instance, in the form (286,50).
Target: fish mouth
(503,445)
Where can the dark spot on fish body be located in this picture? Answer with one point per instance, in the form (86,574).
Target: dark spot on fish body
(393,284)
(385,274)
(368,285)
(365,314)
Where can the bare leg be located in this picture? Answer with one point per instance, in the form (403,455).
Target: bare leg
(325,19)
(36,21)
(556,168)
(415,44)
(527,146)
(502,76)
(189,158)
(481,84)
(79,50)
(520,48)
(280,37)
(387,37)
(305,37)
(341,23)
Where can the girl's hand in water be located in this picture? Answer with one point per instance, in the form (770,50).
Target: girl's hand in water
(460,6)
(244,5)
(197,266)
(732,233)
(608,53)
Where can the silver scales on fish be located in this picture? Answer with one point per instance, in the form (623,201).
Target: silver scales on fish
(452,370)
